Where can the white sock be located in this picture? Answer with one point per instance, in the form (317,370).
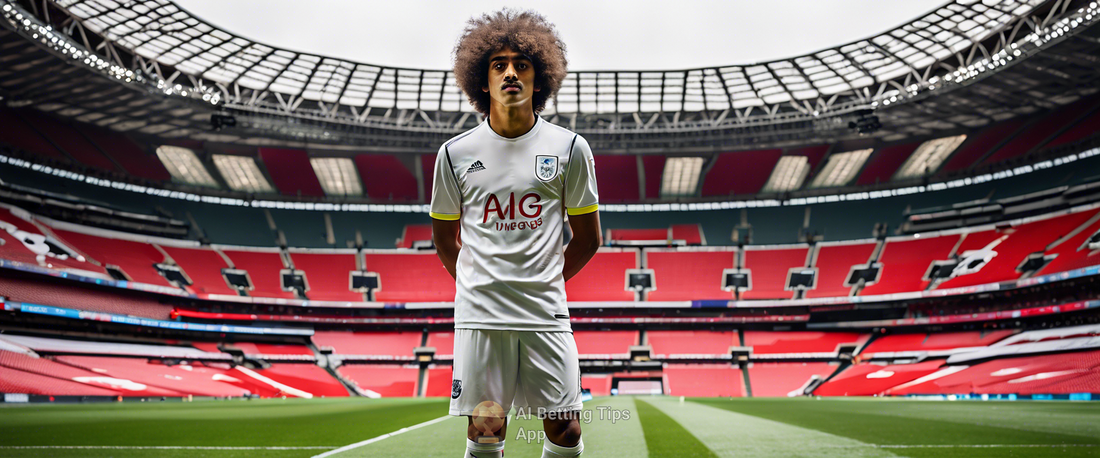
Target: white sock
(552,450)
(476,450)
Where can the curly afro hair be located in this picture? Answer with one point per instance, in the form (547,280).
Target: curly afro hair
(526,32)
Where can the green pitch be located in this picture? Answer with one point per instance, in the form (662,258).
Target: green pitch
(633,427)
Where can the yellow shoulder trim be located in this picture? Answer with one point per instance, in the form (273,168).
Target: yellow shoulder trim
(444,216)
(582,210)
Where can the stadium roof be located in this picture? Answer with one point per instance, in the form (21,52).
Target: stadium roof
(163,32)
(167,71)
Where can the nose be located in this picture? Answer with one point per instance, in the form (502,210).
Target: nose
(510,72)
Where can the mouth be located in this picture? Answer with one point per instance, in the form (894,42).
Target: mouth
(511,88)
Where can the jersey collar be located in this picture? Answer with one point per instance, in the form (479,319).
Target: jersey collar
(530,133)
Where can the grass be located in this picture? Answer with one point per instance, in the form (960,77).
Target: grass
(656,427)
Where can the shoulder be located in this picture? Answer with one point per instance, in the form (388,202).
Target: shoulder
(461,140)
(566,137)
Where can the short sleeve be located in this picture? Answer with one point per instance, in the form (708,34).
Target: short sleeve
(446,198)
(581,195)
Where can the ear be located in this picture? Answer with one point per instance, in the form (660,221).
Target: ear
(484,88)
(538,88)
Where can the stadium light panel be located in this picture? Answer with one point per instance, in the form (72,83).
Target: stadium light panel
(928,157)
(242,174)
(185,166)
(841,168)
(681,176)
(337,176)
(788,175)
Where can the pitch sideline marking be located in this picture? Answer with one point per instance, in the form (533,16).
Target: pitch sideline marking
(337,450)
(384,436)
(160,447)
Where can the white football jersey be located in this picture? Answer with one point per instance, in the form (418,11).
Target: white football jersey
(511,195)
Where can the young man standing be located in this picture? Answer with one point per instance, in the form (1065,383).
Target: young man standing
(509,184)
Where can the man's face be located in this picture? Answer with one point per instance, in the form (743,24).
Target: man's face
(511,78)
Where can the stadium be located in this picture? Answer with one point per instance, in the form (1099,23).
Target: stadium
(214,246)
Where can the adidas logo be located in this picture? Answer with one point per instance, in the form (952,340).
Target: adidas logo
(477,166)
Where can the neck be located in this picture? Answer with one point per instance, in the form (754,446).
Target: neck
(511,122)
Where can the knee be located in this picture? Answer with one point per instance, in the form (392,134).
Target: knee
(567,434)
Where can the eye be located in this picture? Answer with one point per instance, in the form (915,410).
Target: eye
(521,66)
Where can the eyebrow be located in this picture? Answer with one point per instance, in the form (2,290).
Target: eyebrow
(517,57)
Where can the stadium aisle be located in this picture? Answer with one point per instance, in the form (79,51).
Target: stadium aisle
(730,434)
(602,437)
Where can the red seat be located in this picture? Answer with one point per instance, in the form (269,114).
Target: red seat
(906,260)
(263,268)
(204,267)
(684,274)
(386,380)
(764,342)
(873,379)
(703,380)
(768,270)
(603,278)
(1022,240)
(411,277)
(780,379)
(328,275)
(605,342)
(399,343)
(834,264)
(136,259)
(691,342)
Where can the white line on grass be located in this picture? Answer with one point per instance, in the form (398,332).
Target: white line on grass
(987,446)
(384,436)
(158,447)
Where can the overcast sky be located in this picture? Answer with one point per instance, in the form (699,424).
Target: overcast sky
(599,35)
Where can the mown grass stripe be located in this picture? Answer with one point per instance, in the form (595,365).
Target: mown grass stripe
(665,437)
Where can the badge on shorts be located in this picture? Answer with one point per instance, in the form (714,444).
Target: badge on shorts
(546,167)
(456,388)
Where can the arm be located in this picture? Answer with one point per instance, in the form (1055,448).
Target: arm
(447,243)
(586,240)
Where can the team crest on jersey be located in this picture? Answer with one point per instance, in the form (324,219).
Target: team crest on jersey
(456,389)
(546,167)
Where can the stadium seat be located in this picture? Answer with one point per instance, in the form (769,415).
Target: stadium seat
(933,342)
(708,380)
(135,259)
(611,343)
(784,379)
(741,172)
(203,266)
(669,343)
(414,233)
(439,382)
(263,266)
(622,170)
(385,178)
(400,343)
(684,274)
(443,342)
(769,267)
(1022,240)
(788,342)
(410,277)
(834,264)
(14,249)
(1061,373)
(385,380)
(873,379)
(328,273)
(905,261)
(601,278)
(80,297)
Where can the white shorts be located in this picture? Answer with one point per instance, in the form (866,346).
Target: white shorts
(530,370)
